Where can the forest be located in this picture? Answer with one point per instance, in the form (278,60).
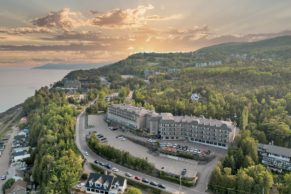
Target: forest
(57,164)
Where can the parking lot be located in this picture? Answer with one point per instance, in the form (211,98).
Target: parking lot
(167,163)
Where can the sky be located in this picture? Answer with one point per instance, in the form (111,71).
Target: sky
(37,32)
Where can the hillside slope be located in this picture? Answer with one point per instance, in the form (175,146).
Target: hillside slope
(261,52)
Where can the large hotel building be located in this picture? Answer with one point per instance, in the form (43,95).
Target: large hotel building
(212,132)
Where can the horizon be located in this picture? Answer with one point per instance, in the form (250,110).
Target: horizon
(68,32)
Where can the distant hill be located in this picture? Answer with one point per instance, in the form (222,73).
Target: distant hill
(275,48)
(250,53)
(70,66)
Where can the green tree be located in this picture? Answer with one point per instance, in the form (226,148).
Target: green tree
(8,184)
(287,184)
(244,118)
(133,190)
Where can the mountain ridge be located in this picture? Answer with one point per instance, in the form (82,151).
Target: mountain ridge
(52,66)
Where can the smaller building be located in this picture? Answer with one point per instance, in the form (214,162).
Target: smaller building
(128,116)
(275,157)
(19,187)
(105,184)
(112,96)
(19,156)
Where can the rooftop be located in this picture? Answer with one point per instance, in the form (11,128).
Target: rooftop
(103,182)
(273,149)
(137,110)
(199,120)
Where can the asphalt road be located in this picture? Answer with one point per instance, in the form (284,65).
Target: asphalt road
(83,147)
(4,159)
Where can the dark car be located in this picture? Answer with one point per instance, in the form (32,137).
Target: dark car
(153,183)
(100,135)
(161,186)
(184,171)
(145,180)
(103,139)
(109,166)
(96,162)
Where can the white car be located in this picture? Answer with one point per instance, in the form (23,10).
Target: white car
(86,153)
(121,138)
(128,174)
(115,169)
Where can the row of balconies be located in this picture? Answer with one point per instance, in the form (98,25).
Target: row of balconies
(195,132)
(221,139)
(189,126)
(198,129)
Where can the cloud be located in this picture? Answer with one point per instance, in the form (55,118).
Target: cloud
(124,18)
(121,17)
(64,19)
(163,18)
(78,36)
(25,30)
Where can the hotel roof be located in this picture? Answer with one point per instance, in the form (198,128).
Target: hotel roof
(137,110)
(199,120)
(276,149)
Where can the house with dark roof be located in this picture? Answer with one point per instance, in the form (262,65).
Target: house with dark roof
(105,184)
(19,156)
(275,157)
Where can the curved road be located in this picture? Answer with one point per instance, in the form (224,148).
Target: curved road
(81,143)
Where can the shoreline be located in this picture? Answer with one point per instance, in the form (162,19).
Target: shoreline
(12,109)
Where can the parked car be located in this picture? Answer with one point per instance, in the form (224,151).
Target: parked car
(128,174)
(96,162)
(104,139)
(3,177)
(145,180)
(108,166)
(102,164)
(153,183)
(100,136)
(137,178)
(121,138)
(162,186)
(115,169)
(184,171)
